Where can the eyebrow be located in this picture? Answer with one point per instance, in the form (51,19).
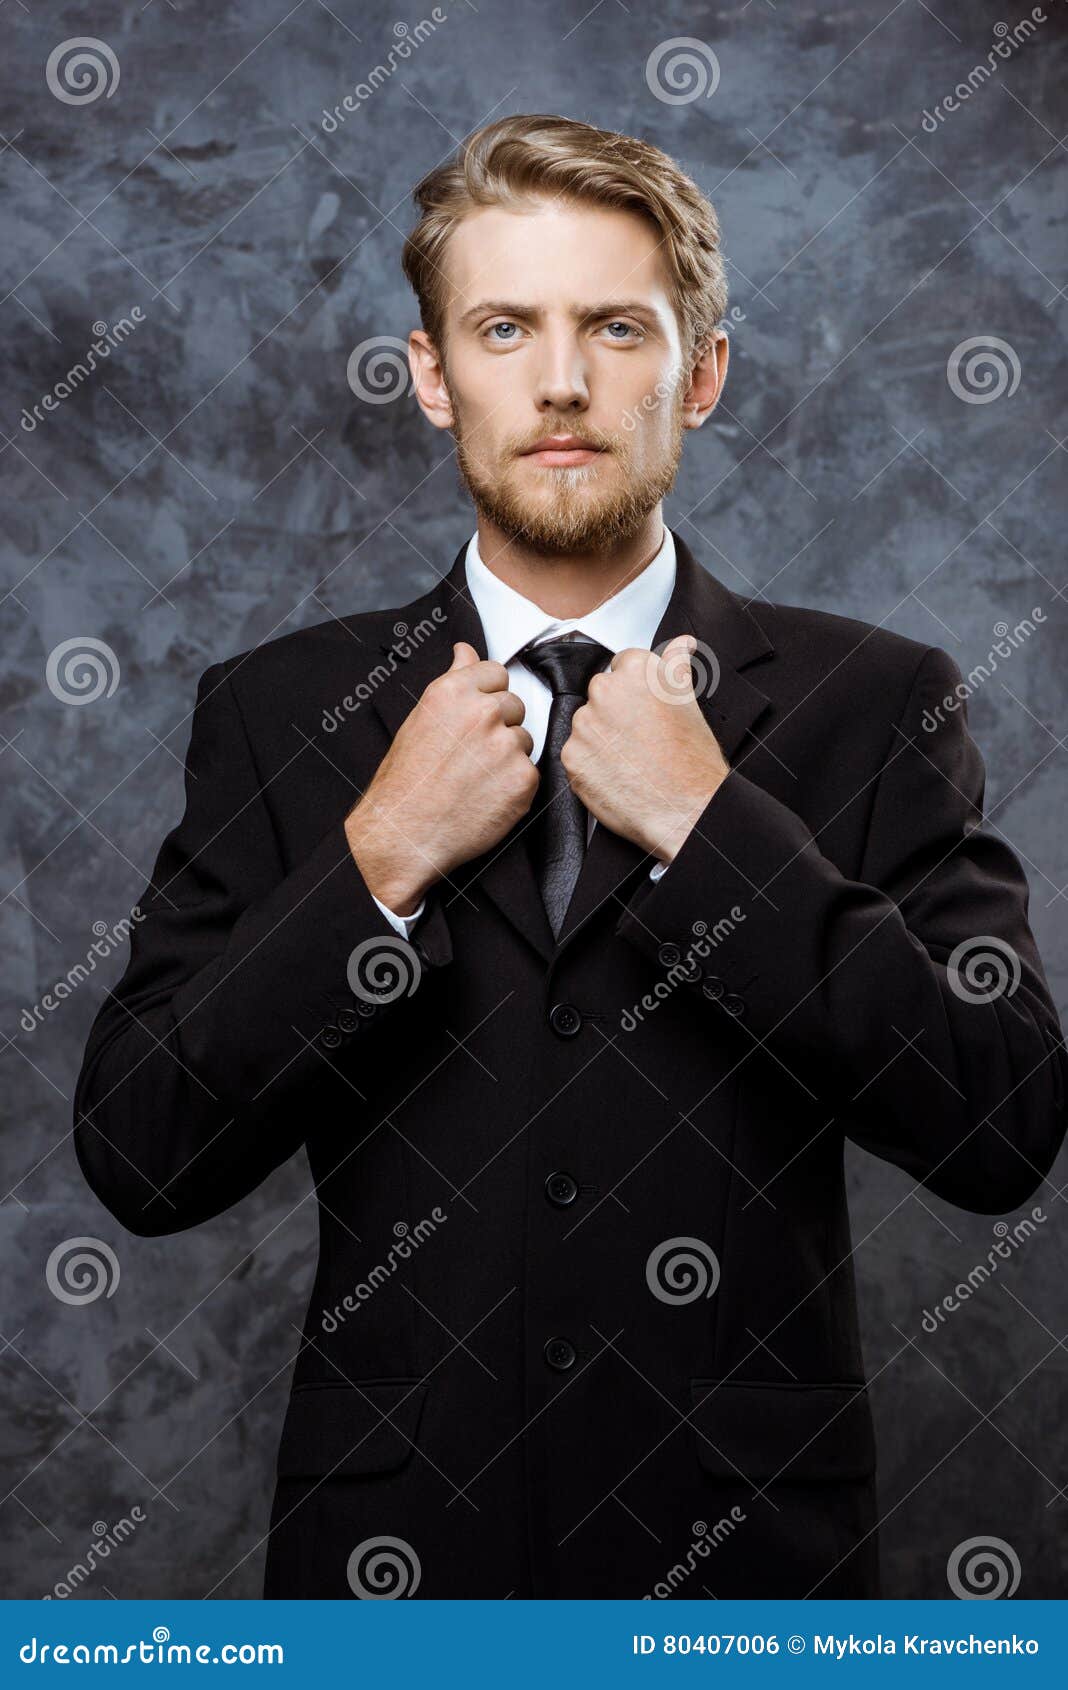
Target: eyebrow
(578,313)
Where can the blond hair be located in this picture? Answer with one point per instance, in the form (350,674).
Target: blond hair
(509,162)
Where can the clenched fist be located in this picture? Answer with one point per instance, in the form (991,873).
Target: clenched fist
(640,755)
(456,778)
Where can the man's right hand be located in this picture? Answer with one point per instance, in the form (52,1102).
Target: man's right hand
(456,778)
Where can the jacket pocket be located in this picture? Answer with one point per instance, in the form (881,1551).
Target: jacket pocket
(797,1433)
(343,1431)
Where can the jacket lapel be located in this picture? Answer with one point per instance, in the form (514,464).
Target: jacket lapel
(729,638)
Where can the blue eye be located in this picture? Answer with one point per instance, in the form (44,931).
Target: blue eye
(495,326)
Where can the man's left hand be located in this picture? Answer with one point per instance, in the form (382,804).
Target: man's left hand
(640,755)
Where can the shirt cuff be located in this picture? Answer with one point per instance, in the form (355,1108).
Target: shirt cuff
(402,923)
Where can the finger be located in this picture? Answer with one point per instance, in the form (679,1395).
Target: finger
(463,655)
(512,708)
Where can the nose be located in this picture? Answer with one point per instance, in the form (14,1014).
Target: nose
(561,378)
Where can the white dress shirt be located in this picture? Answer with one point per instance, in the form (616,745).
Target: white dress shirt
(510,622)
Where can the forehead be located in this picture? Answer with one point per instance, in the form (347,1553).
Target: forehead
(553,252)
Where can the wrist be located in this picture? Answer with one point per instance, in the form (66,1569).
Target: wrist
(672,828)
(392,872)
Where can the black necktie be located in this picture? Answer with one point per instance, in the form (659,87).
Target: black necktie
(559,824)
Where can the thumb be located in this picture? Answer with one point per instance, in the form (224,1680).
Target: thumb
(463,655)
(675,665)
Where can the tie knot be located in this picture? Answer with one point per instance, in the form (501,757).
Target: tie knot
(566,666)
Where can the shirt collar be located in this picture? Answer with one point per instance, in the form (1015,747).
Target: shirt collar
(629,618)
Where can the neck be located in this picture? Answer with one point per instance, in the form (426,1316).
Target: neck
(569,584)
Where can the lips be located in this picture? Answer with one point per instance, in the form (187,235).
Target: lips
(562,450)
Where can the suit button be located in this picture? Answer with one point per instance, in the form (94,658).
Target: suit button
(561,1189)
(559,1354)
(330,1037)
(733,1004)
(669,955)
(364,1008)
(348,1020)
(713,987)
(565,1019)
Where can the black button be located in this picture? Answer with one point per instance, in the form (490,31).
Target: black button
(348,1020)
(691,970)
(561,1189)
(713,986)
(364,1008)
(733,1004)
(330,1037)
(565,1019)
(560,1354)
(669,955)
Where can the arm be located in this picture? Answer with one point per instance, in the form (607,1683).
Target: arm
(862,988)
(201,1068)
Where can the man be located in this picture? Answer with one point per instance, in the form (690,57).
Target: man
(572,916)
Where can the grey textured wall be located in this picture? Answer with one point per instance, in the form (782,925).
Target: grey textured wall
(216,481)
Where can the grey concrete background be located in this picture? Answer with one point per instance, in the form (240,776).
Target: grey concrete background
(216,483)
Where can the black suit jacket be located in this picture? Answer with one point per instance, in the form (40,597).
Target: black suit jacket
(584,1317)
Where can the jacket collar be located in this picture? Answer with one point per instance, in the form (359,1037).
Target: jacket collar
(729,640)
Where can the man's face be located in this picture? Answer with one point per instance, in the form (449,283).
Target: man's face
(560,326)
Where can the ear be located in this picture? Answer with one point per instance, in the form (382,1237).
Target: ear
(428,379)
(706,378)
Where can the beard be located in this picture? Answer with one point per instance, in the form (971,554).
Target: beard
(573,511)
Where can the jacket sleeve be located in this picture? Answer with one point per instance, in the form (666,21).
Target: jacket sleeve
(242,986)
(911,1000)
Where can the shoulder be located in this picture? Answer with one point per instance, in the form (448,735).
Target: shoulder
(848,654)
